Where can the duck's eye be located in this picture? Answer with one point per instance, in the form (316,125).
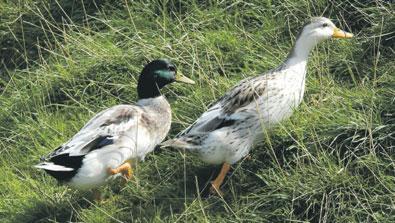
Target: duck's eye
(171,68)
(325,25)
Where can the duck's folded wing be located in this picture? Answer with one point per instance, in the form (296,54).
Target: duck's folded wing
(103,129)
(243,94)
(225,111)
(206,122)
(209,121)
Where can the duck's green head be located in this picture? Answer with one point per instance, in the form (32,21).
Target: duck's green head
(156,75)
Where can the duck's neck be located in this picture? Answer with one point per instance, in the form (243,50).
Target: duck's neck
(300,52)
(153,101)
(147,89)
(158,105)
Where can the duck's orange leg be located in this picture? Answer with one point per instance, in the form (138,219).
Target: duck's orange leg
(125,169)
(216,184)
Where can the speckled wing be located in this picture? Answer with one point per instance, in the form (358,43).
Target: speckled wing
(243,94)
(103,129)
(224,111)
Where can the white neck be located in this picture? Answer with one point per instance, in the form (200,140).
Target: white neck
(151,101)
(300,52)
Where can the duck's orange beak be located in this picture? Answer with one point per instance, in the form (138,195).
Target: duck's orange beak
(338,33)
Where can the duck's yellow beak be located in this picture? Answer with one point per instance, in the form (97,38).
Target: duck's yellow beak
(181,78)
(338,33)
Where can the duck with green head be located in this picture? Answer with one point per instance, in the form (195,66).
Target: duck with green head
(113,138)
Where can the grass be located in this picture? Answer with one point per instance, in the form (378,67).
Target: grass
(332,161)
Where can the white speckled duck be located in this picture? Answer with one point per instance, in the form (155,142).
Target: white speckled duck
(115,137)
(226,132)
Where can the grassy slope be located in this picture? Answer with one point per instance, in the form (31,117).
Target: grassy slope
(63,61)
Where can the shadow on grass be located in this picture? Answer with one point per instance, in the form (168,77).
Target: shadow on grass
(63,210)
(169,202)
(127,198)
(28,26)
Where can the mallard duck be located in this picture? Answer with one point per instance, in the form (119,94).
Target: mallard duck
(113,138)
(226,132)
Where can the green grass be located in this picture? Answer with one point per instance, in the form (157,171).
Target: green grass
(333,161)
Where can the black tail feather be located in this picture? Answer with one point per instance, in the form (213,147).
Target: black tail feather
(66,160)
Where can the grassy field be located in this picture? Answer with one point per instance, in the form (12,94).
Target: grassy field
(62,61)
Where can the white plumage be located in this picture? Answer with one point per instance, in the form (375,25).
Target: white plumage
(111,138)
(226,132)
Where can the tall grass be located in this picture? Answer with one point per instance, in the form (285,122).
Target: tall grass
(333,161)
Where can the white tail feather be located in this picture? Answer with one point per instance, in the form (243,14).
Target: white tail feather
(53,167)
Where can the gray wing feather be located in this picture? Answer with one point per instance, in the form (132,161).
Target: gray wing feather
(221,114)
(103,129)
(241,95)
